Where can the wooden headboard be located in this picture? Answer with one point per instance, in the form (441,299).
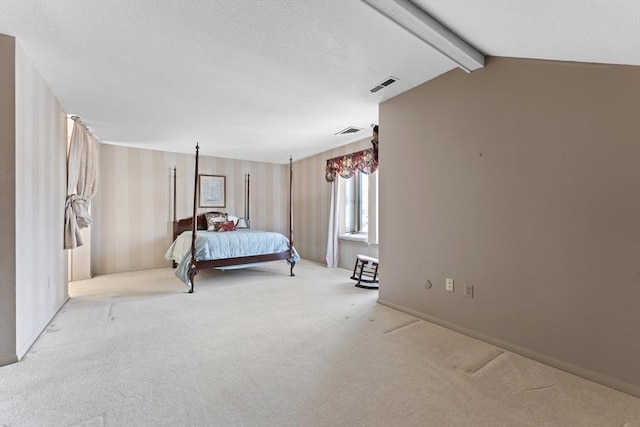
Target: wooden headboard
(185,225)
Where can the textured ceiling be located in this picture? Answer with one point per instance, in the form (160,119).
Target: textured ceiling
(601,31)
(262,80)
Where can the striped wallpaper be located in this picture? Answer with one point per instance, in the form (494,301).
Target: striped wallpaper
(312,195)
(40,159)
(133,209)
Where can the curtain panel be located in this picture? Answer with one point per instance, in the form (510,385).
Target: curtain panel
(82,182)
(334,225)
(346,166)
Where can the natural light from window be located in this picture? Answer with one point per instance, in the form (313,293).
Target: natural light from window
(357,204)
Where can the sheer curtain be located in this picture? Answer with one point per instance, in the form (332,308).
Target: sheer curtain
(82,182)
(334,225)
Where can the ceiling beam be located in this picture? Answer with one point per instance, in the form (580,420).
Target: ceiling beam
(417,22)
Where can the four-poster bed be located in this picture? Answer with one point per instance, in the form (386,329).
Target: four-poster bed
(194,248)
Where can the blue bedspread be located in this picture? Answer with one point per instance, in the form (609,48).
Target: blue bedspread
(229,244)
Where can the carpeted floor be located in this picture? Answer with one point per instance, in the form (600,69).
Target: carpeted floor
(255,347)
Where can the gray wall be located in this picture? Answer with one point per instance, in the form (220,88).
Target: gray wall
(523,180)
(7,210)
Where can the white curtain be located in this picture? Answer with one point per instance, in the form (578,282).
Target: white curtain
(334,224)
(82,182)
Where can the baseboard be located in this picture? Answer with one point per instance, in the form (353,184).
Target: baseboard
(26,346)
(632,389)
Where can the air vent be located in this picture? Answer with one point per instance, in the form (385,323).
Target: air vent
(350,129)
(384,84)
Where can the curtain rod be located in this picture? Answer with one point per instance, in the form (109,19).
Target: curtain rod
(81,123)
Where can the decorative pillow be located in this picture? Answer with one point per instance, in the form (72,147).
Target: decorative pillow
(213,218)
(225,226)
(233,218)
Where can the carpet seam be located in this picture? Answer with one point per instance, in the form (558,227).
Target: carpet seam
(475,371)
(411,322)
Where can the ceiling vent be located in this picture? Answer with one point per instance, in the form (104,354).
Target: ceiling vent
(384,84)
(349,130)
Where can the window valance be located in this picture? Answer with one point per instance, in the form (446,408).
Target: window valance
(346,166)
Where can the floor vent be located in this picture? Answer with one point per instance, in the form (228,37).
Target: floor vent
(384,84)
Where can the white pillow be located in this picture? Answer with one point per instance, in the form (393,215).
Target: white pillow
(233,218)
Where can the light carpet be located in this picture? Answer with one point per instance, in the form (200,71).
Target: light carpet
(255,347)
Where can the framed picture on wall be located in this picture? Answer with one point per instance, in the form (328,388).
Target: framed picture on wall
(212,191)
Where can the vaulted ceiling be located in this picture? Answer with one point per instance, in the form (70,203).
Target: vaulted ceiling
(261,80)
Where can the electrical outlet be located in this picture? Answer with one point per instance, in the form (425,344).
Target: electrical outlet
(449,285)
(468,291)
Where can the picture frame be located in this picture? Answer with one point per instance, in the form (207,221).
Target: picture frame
(212,191)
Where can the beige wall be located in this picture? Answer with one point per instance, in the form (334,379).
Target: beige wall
(133,209)
(34,278)
(349,250)
(523,180)
(40,197)
(7,207)
(311,199)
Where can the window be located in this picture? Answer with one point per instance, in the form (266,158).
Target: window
(358,221)
(357,204)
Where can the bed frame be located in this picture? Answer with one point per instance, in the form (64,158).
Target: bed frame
(200,223)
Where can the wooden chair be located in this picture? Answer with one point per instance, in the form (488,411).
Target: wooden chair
(366,271)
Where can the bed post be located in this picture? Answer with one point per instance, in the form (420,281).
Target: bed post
(194,224)
(293,264)
(248,200)
(175,215)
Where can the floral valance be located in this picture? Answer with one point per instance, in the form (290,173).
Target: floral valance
(346,166)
